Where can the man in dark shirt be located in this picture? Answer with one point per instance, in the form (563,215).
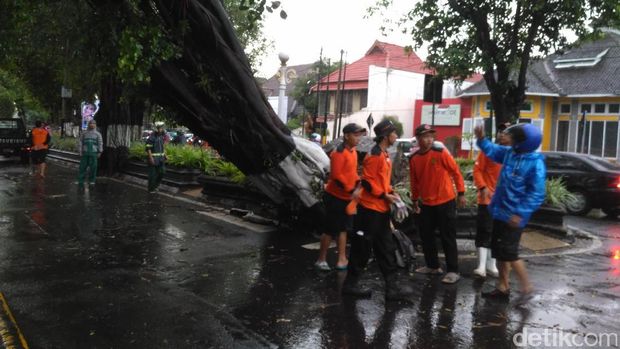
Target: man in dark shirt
(156,156)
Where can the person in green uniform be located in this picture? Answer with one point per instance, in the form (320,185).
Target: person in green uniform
(90,149)
(156,156)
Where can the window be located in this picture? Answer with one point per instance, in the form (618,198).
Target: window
(468,127)
(599,108)
(563,162)
(8,124)
(582,143)
(586,107)
(488,106)
(611,139)
(344,102)
(614,108)
(564,108)
(561,143)
(525,121)
(552,161)
(601,138)
(363,98)
(527,106)
(596,137)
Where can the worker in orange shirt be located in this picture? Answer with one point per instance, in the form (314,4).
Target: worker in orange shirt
(373,232)
(433,175)
(486,173)
(342,186)
(40,140)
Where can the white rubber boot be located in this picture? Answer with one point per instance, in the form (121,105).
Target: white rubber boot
(482,260)
(491,265)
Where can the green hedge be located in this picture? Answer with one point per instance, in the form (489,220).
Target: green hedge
(65,143)
(206,160)
(556,193)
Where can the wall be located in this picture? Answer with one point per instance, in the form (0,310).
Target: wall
(393,92)
(444,132)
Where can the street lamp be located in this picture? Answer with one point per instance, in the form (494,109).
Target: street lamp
(282,104)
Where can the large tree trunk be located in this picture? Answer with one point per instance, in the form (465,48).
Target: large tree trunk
(120,122)
(212,88)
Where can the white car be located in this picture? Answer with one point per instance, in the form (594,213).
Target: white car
(409,145)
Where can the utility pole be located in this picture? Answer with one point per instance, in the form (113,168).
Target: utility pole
(344,81)
(338,103)
(324,125)
(318,90)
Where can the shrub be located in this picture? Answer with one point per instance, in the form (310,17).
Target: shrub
(556,193)
(65,143)
(465,165)
(206,160)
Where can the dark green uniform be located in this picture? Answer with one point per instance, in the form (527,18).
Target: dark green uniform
(155,143)
(91,145)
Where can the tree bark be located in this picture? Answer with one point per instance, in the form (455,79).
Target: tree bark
(119,121)
(212,88)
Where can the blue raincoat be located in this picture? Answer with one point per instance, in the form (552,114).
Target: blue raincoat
(521,186)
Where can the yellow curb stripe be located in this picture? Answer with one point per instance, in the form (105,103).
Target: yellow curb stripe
(7,338)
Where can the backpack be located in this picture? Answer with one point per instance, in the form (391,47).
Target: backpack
(405,252)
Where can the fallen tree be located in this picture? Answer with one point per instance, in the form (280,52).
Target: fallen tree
(212,88)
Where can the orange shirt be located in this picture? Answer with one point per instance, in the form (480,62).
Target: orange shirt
(343,177)
(486,173)
(433,175)
(40,138)
(376,173)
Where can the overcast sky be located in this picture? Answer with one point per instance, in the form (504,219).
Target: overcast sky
(331,24)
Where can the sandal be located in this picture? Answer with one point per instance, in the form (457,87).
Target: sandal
(322,266)
(427,270)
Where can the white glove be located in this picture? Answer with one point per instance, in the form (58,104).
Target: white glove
(399,211)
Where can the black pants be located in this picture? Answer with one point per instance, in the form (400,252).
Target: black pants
(443,217)
(484,227)
(377,238)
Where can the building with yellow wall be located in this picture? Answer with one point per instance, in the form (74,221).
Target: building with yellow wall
(561,89)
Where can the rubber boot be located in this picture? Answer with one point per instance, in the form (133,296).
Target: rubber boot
(351,287)
(397,290)
(482,260)
(491,265)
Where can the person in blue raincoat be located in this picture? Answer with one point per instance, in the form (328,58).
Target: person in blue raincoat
(520,191)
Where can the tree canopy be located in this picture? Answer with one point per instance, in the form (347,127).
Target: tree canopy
(497,38)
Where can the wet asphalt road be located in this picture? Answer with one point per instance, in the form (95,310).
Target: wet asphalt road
(114,267)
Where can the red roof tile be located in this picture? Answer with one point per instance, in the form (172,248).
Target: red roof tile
(380,54)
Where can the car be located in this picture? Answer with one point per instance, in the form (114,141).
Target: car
(146,134)
(14,138)
(594,181)
(408,145)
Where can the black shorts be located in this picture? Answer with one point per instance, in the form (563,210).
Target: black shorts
(337,219)
(505,242)
(38,156)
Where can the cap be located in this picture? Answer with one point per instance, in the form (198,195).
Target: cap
(353,128)
(384,128)
(424,128)
(159,124)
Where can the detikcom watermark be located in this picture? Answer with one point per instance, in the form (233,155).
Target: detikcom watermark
(557,338)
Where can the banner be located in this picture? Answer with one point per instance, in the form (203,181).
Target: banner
(88,112)
(450,116)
